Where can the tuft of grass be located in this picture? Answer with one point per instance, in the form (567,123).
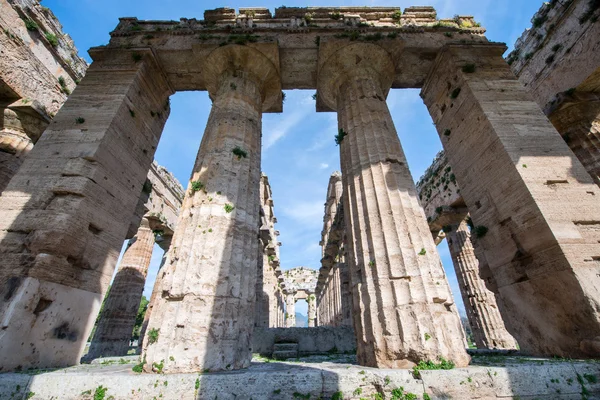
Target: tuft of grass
(337,396)
(277,391)
(447,132)
(31,25)
(79,120)
(397,15)
(51,38)
(339,138)
(422,252)
(100,393)
(430,365)
(357,392)
(158,367)
(427,336)
(197,384)
(239,152)
(229,208)
(153,335)
(196,186)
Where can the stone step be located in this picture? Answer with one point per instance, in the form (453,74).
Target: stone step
(285,347)
(284,355)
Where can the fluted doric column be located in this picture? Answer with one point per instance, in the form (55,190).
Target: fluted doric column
(205,317)
(165,244)
(65,214)
(484,317)
(404,311)
(117,319)
(312,312)
(533,204)
(290,310)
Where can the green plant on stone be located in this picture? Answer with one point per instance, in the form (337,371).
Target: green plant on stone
(400,394)
(79,120)
(372,263)
(430,365)
(386,380)
(438,210)
(196,186)
(147,187)
(31,25)
(480,231)
(357,392)
(100,392)
(340,137)
(276,391)
(570,91)
(335,15)
(298,395)
(426,396)
(51,38)
(337,396)
(233,86)
(158,366)
(422,252)
(153,335)
(447,228)
(455,93)
(132,113)
(427,336)
(197,384)
(447,132)
(136,57)
(30,395)
(397,15)
(229,208)
(314,96)
(239,152)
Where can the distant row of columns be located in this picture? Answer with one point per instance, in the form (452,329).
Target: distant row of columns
(517,177)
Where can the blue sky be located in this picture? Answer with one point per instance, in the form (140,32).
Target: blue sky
(299,153)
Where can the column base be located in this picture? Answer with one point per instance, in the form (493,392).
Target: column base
(59,316)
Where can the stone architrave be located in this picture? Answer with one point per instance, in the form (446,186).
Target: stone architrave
(484,317)
(395,268)
(204,319)
(66,212)
(117,319)
(533,204)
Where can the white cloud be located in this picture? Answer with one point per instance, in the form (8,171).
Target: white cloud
(323,165)
(306,212)
(282,126)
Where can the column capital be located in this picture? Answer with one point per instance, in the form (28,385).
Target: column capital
(260,65)
(353,61)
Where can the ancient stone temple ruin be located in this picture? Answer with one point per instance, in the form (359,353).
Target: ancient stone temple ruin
(514,194)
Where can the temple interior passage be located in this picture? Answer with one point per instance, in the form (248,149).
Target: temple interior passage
(115,275)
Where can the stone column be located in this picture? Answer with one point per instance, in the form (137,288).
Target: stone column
(165,245)
(534,206)
(486,322)
(117,320)
(395,268)
(290,310)
(312,312)
(205,317)
(22,124)
(65,214)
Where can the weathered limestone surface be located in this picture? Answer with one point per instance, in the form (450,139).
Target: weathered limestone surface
(30,69)
(558,61)
(331,377)
(270,298)
(205,316)
(484,317)
(290,310)
(517,177)
(559,52)
(66,212)
(395,268)
(122,302)
(333,295)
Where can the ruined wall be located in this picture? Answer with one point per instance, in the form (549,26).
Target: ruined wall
(334,299)
(318,340)
(36,54)
(560,51)
(39,67)
(270,285)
